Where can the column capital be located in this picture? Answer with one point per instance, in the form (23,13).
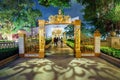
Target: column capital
(97,33)
(77,22)
(41,22)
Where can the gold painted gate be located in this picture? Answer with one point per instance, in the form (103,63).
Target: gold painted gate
(87,45)
(32,44)
(59,19)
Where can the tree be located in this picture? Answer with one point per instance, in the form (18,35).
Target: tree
(6,30)
(95,12)
(27,18)
(19,12)
(69,30)
(114,14)
(85,33)
(56,3)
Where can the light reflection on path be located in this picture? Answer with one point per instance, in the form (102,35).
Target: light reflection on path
(45,69)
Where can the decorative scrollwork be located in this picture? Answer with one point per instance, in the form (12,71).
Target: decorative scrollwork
(59,18)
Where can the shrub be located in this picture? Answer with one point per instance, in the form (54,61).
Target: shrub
(107,50)
(111,51)
(7,52)
(48,40)
(70,43)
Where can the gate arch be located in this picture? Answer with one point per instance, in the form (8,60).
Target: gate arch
(26,44)
(59,19)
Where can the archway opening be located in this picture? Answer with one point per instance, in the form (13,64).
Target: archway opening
(57,37)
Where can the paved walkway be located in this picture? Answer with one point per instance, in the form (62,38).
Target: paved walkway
(60,68)
(60,49)
(63,67)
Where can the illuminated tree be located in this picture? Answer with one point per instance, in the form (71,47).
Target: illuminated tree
(19,12)
(7,29)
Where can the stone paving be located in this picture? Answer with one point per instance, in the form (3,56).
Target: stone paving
(60,67)
(59,50)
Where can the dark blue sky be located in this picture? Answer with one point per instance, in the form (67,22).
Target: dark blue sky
(73,11)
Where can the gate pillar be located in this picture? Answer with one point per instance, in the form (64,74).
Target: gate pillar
(41,24)
(77,24)
(97,43)
(21,44)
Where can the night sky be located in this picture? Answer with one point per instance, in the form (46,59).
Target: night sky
(73,11)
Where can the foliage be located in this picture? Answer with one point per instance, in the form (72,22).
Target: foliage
(56,3)
(70,43)
(7,29)
(111,51)
(69,30)
(107,50)
(7,52)
(6,41)
(84,31)
(114,13)
(96,11)
(70,40)
(47,41)
(19,12)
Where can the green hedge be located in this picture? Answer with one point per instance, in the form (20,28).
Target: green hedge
(7,52)
(111,51)
(106,50)
(48,40)
(70,43)
(6,41)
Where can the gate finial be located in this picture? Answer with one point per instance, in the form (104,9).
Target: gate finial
(59,11)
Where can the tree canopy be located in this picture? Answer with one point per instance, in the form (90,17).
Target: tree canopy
(18,12)
(56,3)
(101,13)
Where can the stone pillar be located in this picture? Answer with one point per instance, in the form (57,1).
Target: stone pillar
(41,38)
(77,24)
(21,42)
(97,43)
(114,42)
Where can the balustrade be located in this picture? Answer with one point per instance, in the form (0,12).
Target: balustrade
(4,45)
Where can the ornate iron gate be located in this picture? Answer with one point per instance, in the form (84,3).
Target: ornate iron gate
(32,44)
(87,45)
